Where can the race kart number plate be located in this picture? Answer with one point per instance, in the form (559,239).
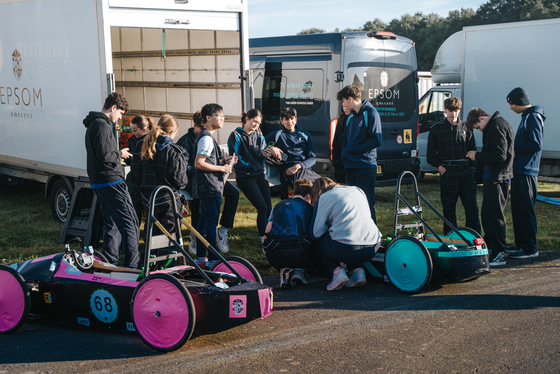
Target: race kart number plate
(104,306)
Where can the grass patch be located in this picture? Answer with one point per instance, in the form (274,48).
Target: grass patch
(27,229)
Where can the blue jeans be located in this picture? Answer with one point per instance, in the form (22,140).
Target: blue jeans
(207,223)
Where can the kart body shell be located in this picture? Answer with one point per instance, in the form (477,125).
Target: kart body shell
(411,261)
(164,303)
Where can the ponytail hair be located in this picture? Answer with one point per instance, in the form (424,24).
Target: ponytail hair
(197,119)
(166,125)
(252,113)
(142,122)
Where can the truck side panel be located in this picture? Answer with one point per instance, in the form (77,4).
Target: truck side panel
(498,58)
(46,83)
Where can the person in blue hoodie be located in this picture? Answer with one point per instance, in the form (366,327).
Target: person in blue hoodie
(360,141)
(527,145)
(161,162)
(297,145)
(249,146)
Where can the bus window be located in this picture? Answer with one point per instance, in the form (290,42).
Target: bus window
(299,89)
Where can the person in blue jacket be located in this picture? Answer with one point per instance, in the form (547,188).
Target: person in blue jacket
(527,146)
(360,141)
(249,146)
(297,145)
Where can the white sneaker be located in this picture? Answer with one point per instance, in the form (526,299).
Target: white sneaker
(339,280)
(358,278)
(192,245)
(222,242)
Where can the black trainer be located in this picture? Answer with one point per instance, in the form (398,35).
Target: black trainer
(520,254)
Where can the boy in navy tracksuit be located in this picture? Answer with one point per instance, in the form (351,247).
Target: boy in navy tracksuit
(527,145)
(209,178)
(359,143)
(298,146)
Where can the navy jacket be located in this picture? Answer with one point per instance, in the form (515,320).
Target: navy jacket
(249,150)
(168,167)
(361,138)
(297,145)
(528,142)
(187,142)
(209,184)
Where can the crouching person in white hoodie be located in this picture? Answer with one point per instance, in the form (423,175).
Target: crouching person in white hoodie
(343,230)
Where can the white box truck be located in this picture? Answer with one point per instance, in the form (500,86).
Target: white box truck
(59,59)
(491,60)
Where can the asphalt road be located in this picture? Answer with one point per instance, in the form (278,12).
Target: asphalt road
(507,321)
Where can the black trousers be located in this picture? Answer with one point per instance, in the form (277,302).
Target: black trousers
(458,181)
(287,254)
(494,202)
(366,179)
(257,191)
(523,197)
(332,253)
(120,224)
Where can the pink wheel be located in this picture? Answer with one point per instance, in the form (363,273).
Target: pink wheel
(163,312)
(14,300)
(243,267)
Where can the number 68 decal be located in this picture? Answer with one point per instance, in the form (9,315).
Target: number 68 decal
(104,306)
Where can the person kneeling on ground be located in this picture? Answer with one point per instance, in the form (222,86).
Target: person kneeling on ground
(287,243)
(344,231)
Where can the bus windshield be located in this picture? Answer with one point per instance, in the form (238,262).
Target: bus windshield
(390,90)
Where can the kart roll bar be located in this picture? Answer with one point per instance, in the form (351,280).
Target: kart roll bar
(417,210)
(178,244)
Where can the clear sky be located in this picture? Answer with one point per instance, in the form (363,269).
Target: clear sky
(288,17)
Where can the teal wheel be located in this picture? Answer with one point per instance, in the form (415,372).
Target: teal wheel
(408,264)
(467,232)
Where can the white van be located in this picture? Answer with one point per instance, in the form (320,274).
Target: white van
(430,112)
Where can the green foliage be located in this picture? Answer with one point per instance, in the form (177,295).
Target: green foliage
(429,31)
(313,30)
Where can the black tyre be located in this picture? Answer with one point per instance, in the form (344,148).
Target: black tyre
(243,267)
(408,264)
(15,300)
(61,197)
(163,312)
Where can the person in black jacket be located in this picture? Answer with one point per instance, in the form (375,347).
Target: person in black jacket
(106,175)
(140,126)
(249,146)
(336,154)
(497,156)
(161,163)
(231,194)
(448,144)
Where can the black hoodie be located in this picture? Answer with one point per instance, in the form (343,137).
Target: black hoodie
(103,155)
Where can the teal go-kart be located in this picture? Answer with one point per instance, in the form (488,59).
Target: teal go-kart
(165,302)
(412,258)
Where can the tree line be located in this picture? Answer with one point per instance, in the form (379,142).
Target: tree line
(429,31)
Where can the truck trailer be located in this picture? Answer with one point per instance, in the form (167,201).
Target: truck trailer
(491,60)
(59,59)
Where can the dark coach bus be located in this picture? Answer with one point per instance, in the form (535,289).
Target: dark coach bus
(306,71)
